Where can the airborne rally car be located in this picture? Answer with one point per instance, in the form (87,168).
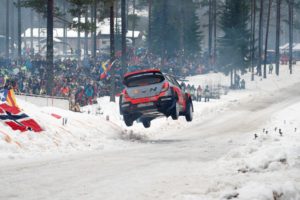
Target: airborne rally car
(149,94)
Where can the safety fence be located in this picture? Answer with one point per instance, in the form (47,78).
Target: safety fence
(45,101)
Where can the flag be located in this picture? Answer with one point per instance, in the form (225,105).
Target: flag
(17,120)
(11,98)
(8,96)
(105,68)
(3,95)
(11,115)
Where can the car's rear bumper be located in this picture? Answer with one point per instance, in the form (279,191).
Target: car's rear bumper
(162,106)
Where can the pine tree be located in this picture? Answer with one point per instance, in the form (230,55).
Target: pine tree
(234,45)
(156,23)
(277,50)
(176,27)
(192,33)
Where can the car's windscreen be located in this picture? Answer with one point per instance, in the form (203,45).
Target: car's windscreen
(143,79)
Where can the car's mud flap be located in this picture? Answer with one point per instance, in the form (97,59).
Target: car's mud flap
(169,110)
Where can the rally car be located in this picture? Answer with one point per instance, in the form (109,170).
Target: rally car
(149,94)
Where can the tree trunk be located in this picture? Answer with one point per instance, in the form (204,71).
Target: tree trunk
(19,33)
(149,24)
(267,38)
(278,17)
(291,24)
(133,23)
(86,35)
(12,42)
(164,36)
(39,33)
(95,31)
(50,75)
(123,33)
(253,38)
(65,30)
(210,26)
(78,39)
(31,30)
(260,37)
(215,33)
(118,42)
(112,53)
(7,31)
(181,32)
(231,78)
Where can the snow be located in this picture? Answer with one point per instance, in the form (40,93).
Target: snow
(270,156)
(81,132)
(217,156)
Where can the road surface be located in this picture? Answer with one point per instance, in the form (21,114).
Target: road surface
(173,167)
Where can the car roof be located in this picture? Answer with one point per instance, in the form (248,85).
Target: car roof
(141,72)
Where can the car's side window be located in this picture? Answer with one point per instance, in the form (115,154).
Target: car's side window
(174,81)
(169,79)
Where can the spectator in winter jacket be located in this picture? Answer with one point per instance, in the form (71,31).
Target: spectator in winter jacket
(193,92)
(80,98)
(243,84)
(206,94)
(199,93)
(270,68)
(65,91)
(183,86)
(89,93)
(188,89)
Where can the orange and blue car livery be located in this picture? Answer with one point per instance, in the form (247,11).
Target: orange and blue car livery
(149,94)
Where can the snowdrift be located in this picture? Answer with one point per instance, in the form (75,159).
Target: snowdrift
(72,132)
(101,127)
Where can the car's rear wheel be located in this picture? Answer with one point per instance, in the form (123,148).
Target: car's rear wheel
(189,112)
(175,112)
(120,104)
(147,123)
(128,121)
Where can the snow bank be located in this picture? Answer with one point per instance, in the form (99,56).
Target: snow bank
(81,132)
(265,167)
(101,126)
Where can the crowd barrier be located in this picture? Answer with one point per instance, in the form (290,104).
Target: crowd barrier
(45,101)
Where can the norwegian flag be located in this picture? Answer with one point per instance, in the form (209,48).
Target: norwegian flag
(17,120)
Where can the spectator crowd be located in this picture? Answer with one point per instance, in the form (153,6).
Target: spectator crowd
(81,82)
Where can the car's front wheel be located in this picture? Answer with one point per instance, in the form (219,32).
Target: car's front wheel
(189,112)
(128,121)
(147,123)
(175,112)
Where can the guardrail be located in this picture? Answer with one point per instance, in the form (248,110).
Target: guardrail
(45,100)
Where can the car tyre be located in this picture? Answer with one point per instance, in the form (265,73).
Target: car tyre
(175,112)
(189,112)
(128,121)
(147,123)
(120,104)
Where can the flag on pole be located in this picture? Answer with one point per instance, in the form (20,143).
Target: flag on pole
(8,96)
(3,95)
(105,68)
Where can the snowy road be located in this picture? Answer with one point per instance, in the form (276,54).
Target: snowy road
(181,165)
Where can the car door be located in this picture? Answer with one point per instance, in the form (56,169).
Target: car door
(181,95)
